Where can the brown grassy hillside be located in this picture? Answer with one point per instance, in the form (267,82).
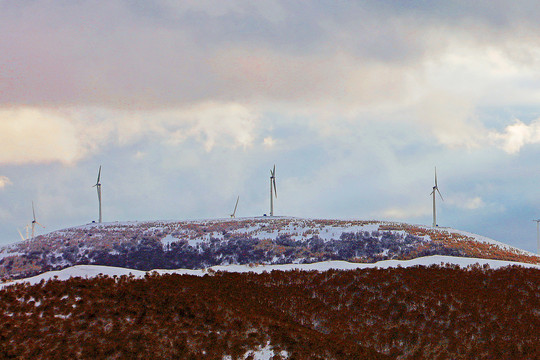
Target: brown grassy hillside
(406,313)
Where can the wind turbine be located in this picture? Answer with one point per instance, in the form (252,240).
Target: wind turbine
(27,229)
(435,189)
(272,186)
(537,236)
(235,206)
(98,187)
(34,221)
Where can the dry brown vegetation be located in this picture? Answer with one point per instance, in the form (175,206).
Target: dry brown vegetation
(468,245)
(406,313)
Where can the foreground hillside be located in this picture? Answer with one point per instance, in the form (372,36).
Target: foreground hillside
(202,244)
(407,313)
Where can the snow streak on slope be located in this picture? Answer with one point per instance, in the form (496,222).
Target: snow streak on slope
(89,271)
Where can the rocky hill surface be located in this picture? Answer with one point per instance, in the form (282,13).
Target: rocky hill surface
(265,240)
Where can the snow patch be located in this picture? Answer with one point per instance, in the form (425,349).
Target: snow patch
(89,271)
(167,241)
(5,254)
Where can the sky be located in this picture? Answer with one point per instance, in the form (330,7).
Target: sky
(188,104)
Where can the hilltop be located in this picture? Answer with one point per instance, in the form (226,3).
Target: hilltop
(200,244)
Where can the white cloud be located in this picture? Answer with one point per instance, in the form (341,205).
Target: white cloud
(139,155)
(516,136)
(227,125)
(450,119)
(34,136)
(465,202)
(212,124)
(469,75)
(406,212)
(269,141)
(4,181)
(475,203)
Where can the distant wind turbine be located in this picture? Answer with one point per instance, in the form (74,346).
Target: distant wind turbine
(98,187)
(235,206)
(537,236)
(272,187)
(27,229)
(435,189)
(34,221)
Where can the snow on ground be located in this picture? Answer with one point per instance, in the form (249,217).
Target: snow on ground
(89,271)
(302,229)
(4,254)
(85,271)
(268,228)
(168,240)
(262,353)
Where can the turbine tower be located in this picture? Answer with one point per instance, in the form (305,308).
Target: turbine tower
(34,221)
(235,206)
(98,187)
(435,189)
(273,191)
(537,236)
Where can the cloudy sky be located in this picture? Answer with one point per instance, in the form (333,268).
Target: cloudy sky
(188,104)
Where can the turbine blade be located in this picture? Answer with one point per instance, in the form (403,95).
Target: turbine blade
(435,176)
(33,211)
(22,237)
(275,190)
(40,225)
(235,206)
(440,194)
(99,175)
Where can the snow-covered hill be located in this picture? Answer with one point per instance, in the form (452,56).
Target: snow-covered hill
(252,242)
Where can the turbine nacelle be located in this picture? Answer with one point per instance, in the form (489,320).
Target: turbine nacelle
(34,222)
(436,187)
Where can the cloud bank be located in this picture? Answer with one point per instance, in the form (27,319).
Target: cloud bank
(355,101)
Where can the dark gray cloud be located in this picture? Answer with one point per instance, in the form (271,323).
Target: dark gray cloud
(129,54)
